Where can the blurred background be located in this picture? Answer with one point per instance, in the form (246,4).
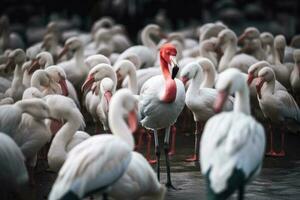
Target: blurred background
(276,16)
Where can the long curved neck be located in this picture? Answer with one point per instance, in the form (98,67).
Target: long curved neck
(209,78)
(195,83)
(146,39)
(242,100)
(18,76)
(229,53)
(79,57)
(170,89)
(132,83)
(26,106)
(119,127)
(64,136)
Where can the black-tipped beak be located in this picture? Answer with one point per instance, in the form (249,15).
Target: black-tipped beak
(174,66)
(175,71)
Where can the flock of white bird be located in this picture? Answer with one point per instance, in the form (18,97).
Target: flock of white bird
(48,91)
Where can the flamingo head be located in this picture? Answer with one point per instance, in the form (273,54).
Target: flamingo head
(266,74)
(168,54)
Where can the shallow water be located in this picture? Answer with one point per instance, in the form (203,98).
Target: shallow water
(279,179)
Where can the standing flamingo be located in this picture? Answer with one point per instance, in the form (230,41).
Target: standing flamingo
(233,143)
(200,101)
(161,102)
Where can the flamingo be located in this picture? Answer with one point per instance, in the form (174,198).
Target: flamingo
(233,143)
(13,171)
(254,46)
(68,136)
(278,106)
(281,70)
(207,50)
(98,107)
(17,58)
(147,51)
(230,60)
(161,101)
(117,165)
(267,40)
(295,75)
(200,101)
(75,68)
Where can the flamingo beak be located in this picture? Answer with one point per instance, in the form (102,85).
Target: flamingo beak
(174,66)
(250,78)
(184,80)
(88,83)
(259,84)
(95,89)
(34,66)
(220,101)
(63,52)
(108,96)
(64,87)
(132,121)
(162,35)
(242,38)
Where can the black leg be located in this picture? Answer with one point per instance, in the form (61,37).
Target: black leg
(157,153)
(105,196)
(166,149)
(241,193)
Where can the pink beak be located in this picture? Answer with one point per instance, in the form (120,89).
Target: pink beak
(184,80)
(250,78)
(108,96)
(63,52)
(241,38)
(34,66)
(259,84)
(132,121)
(220,101)
(64,87)
(88,83)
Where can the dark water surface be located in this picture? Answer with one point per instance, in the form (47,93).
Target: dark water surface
(279,179)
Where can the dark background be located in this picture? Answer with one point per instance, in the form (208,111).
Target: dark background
(277,16)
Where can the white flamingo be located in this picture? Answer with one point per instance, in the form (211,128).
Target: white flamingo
(278,106)
(86,172)
(200,100)
(233,143)
(68,136)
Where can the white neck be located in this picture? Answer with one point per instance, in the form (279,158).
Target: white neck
(195,83)
(268,87)
(119,127)
(209,78)
(242,100)
(229,53)
(147,41)
(79,57)
(132,83)
(64,136)
(18,77)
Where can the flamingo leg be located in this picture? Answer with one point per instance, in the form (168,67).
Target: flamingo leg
(195,157)
(148,150)
(166,149)
(157,153)
(105,196)
(271,152)
(173,143)
(282,152)
(140,134)
(241,193)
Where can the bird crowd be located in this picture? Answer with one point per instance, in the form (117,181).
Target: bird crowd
(239,91)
